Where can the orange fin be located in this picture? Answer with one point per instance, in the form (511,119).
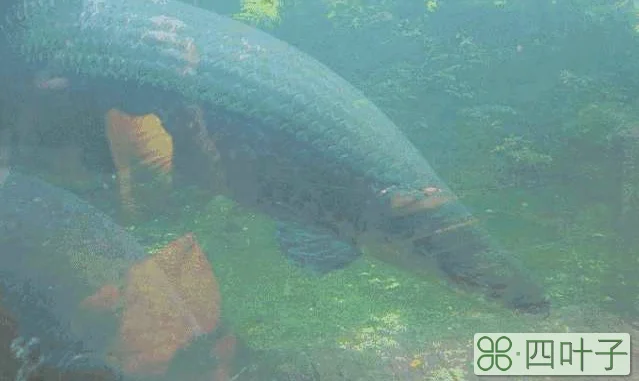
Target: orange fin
(170,298)
(186,265)
(106,298)
(139,146)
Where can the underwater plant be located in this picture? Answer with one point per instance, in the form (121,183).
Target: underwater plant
(521,161)
(259,12)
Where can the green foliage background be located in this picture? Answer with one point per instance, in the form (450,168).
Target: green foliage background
(472,73)
(512,91)
(528,108)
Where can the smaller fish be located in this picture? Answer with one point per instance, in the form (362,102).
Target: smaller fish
(87,298)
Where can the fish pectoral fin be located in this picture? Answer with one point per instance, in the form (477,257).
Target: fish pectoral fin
(315,247)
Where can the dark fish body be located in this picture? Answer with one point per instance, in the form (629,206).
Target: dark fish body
(211,59)
(50,243)
(77,285)
(300,141)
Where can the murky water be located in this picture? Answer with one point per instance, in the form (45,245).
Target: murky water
(526,110)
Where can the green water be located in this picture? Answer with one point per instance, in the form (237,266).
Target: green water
(521,106)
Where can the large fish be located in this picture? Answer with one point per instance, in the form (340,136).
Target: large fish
(87,298)
(297,140)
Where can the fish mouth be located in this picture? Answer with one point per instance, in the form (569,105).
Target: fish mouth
(523,295)
(499,276)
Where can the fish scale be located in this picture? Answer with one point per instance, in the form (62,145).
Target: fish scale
(87,297)
(33,221)
(275,80)
(298,136)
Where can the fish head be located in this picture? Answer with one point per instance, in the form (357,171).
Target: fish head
(439,230)
(496,273)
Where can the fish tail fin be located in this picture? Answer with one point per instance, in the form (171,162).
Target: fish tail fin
(170,299)
(142,152)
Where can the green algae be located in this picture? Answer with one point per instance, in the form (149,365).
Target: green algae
(274,304)
(371,310)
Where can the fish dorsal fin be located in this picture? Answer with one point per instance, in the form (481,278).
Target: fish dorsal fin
(170,298)
(153,143)
(139,138)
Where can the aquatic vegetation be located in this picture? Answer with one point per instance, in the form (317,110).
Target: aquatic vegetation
(601,122)
(521,154)
(358,14)
(378,336)
(442,75)
(432,5)
(260,12)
